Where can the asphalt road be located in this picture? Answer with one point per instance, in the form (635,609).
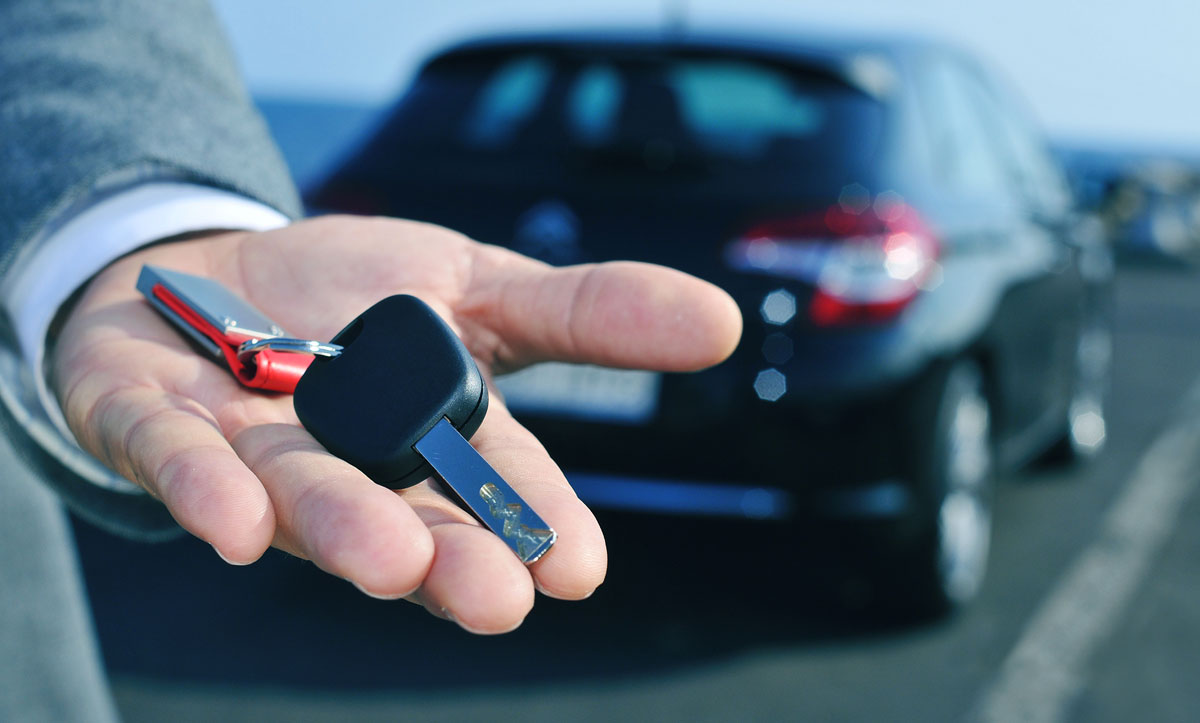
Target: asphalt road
(1089,612)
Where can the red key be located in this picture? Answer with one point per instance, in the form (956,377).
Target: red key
(257,350)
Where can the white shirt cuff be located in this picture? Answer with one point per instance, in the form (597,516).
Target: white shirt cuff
(89,241)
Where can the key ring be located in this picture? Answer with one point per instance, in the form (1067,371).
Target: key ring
(282,343)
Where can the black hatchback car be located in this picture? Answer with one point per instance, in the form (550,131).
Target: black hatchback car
(921,305)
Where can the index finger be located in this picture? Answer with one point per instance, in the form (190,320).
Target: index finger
(621,313)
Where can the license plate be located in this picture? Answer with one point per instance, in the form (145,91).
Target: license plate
(583,391)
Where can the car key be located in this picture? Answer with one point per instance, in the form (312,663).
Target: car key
(401,401)
(230,329)
(395,393)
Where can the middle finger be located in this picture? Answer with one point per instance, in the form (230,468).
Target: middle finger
(331,513)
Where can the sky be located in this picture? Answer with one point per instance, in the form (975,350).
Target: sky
(1100,71)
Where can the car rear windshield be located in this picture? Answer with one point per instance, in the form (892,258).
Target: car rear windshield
(659,112)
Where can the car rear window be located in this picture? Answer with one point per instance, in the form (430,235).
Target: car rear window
(664,110)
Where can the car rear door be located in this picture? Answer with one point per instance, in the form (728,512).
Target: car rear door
(1048,213)
(994,228)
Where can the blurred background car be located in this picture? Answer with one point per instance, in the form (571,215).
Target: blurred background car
(1148,200)
(922,304)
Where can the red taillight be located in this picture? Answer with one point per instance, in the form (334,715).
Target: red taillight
(866,266)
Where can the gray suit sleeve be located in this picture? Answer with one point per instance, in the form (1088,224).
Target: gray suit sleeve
(94,93)
(97,96)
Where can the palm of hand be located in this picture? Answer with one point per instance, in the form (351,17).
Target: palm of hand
(235,468)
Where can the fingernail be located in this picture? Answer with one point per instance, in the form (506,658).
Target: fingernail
(377,596)
(475,631)
(227,560)
(538,586)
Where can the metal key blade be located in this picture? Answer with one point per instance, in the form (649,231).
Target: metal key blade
(211,301)
(485,492)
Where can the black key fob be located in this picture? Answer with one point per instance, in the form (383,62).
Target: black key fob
(401,371)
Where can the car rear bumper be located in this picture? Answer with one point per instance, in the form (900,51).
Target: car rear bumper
(751,459)
(887,499)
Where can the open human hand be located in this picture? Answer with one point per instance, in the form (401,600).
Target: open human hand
(235,468)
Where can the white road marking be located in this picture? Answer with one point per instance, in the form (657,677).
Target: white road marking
(1047,668)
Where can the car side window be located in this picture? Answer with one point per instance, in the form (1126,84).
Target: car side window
(964,154)
(1036,173)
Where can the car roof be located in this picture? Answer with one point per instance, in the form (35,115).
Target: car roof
(828,49)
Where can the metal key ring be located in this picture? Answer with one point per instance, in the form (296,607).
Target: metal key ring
(283,343)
